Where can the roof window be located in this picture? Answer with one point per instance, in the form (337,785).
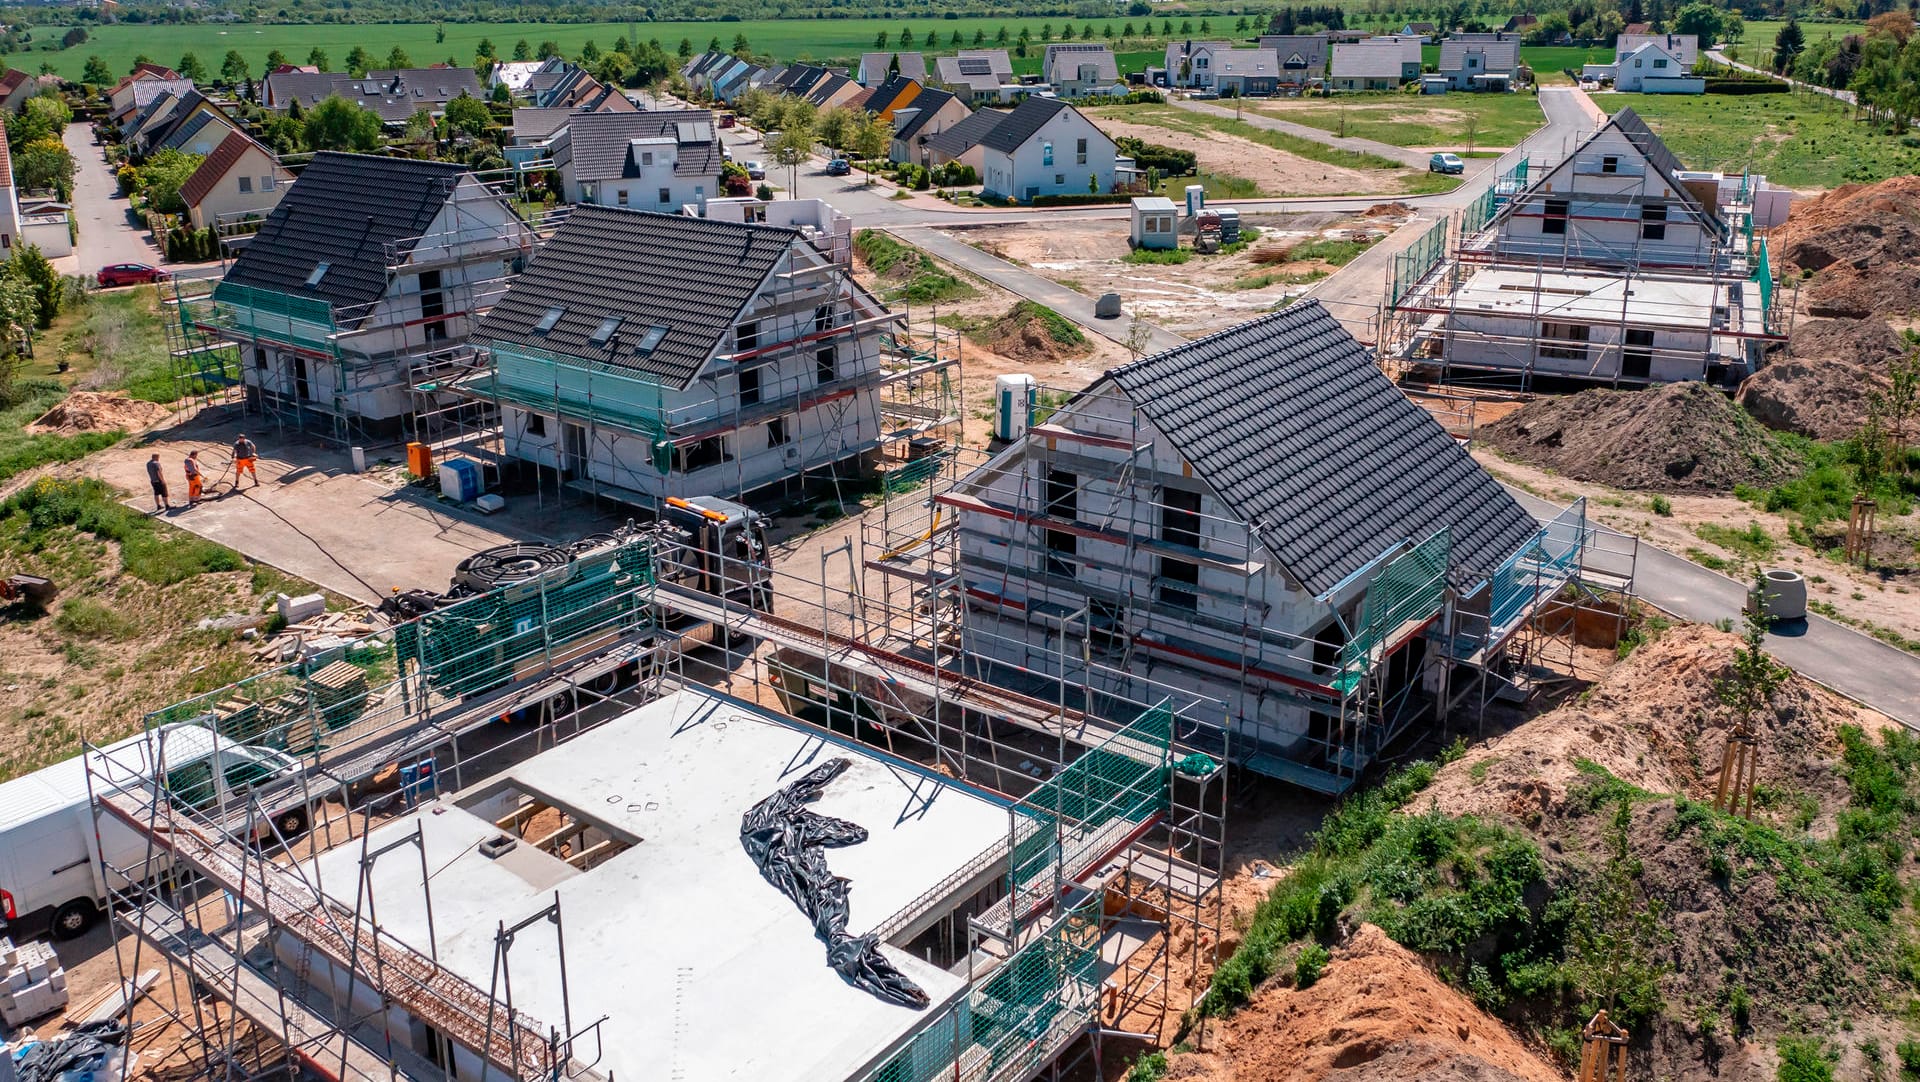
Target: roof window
(650,341)
(547,321)
(604,332)
(319,272)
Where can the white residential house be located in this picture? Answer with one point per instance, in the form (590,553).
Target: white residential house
(367,270)
(976,75)
(9,204)
(646,355)
(1302,57)
(1368,65)
(877,68)
(1480,65)
(1046,147)
(1190,63)
(1649,69)
(653,160)
(240,180)
(1080,69)
(1684,48)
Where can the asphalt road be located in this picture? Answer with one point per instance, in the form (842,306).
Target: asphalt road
(107,231)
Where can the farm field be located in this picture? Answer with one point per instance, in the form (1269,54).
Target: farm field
(1801,140)
(1448,122)
(788,39)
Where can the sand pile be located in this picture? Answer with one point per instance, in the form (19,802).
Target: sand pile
(1864,240)
(1684,437)
(1377,1013)
(93,411)
(1652,721)
(1034,333)
(1854,341)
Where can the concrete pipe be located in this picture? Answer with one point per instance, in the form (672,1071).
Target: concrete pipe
(1786,595)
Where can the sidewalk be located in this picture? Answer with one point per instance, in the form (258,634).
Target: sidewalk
(1411,158)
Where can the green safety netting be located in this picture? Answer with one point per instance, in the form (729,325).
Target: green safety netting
(486,641)
(915,472)
(1410,587)
(1124,778)
(540,380)
(1763,274)
(1413,264)
(279,317)
(1478,213)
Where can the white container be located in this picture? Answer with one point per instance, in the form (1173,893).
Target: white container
(1013,406)
(460,480)
(1786,595)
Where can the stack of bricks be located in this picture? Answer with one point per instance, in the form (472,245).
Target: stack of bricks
(34,984)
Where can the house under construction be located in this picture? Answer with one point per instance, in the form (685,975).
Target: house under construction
(359,287)
(1613,266)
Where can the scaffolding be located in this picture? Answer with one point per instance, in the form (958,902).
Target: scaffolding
(361,374)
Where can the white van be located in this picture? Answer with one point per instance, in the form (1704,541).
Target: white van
(53,865)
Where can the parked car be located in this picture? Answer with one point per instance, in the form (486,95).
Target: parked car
(839,167)
(728,120)
(1446,163)
(756,170)
(129,274)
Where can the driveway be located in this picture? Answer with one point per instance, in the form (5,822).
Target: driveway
(107,232)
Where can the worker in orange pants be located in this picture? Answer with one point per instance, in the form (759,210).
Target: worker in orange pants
(244,456)
(194,479)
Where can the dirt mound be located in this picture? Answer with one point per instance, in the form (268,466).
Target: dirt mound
(1034,333)
(1822,398)
(1684,437)
(1653,722)
(92,411)
(1387,210)
(1377,1013)
(1869,342)
(1844,293)
(1854,225)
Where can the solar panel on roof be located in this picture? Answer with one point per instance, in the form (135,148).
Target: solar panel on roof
(975,65)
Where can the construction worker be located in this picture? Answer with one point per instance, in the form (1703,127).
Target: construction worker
(244,454)
(194,480)
(159,483)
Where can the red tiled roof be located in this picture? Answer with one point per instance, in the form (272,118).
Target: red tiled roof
(6,166)
(12,80)
(214,167)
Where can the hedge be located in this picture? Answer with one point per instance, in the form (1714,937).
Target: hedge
(1746,86)
(1079,200)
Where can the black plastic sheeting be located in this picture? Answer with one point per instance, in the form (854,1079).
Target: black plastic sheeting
(790,843)
(83,1051)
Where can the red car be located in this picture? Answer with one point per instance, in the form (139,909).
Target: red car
(130,274)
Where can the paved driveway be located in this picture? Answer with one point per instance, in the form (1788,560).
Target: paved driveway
(107,231)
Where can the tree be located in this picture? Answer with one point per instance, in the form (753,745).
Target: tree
(1734,27)
(161,177)
(191,67)
(589,53)
(1702,20)
(74,37)
(522,51)
(466,114)
(1001,37)
(501,95)
(439,33)
(835,127)
(97,73)
(275,59)
(955,41)
(794,146)
(1896,24)
(880,41)
(1614,934)
(358,61)
(398,58)
(1046,31)
(979,36)
(548,50)
(43,117)
(1754,678)
(906,37)
(419,124)
(686,48)
(741,47)
(869,139)
(1240,25)
(30,266)
(486,49)
(338,124)
(317,58)
(44,163)
(19,301)
(234,67)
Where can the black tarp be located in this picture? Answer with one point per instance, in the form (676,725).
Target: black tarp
(85,1049)
(790,843)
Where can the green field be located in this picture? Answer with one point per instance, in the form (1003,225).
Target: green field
(1799,140)
(1403,120)
(792,39)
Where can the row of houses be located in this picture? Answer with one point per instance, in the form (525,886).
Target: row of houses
(975,76)
(238,180)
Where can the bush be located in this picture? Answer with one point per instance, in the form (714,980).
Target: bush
(956,175)
(85,618)
(1309,964)
(1143,97)
(1167,160)
(1081,199)
(89,506)
(1804,1059)
(1746,86)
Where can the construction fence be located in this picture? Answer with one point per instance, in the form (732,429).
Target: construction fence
(1413,264)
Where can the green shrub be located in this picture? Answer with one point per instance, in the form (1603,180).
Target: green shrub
(1309,964)
(1804,1059)
(1161,256)
(1663,507)
(89,506)
(1059,328)
(1151,1067)
(85,618)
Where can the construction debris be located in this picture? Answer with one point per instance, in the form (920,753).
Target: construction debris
(116,1001)
(34,983)
(91,1051)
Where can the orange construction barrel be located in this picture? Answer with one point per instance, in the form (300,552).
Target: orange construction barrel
(420,460)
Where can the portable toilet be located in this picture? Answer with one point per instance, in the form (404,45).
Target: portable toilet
(1013,411)
(460,479)
(1229,225)
(1155,223)
(1196,198)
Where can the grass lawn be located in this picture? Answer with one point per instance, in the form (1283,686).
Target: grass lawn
(785,39)
(1799,140)
(1402,120)
(113,342)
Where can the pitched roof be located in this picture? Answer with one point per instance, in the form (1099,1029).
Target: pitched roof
(1246,63)
(959,138)
(980,69)
(393,93)
(1291,423)
(826,88)
(889,95)
(923,109)
(533,125)
(344,211)
(1062,63)
(6,166)
(599,145)
(1648,144)
(879,65)
(691,276)
(1499,55)
(13,80)
(1018,126)
(1365,61)
(215,166)
(187,129)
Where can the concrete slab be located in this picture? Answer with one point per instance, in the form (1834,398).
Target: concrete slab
(359,535)
(703,969)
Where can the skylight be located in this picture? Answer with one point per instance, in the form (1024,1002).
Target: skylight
(547,321)
(604,331)
(319,272)
(650,341)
